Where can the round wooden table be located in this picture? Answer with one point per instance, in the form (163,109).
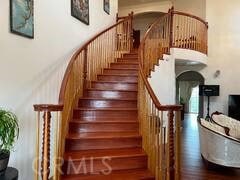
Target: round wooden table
(10,174)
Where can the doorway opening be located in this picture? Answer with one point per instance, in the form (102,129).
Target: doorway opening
(188,93)
(194,101)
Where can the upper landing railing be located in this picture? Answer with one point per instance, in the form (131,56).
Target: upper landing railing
(189,32)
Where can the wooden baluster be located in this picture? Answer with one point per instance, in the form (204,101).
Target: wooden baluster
(58,125)
(178,145)
(45,164)
(85,82)
(181,32)
(131,32)
(171,27)
(171,170)
(36,161)
(188,34)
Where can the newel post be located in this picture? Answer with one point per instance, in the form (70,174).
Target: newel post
(46,139)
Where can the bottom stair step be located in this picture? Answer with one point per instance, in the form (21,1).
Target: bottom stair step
(136,174)
(101,161)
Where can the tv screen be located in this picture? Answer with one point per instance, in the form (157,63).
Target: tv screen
(234,106)
(209,90)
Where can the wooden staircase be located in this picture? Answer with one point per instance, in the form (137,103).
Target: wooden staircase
(103,141)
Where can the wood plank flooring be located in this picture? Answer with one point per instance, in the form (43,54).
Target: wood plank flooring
(193,167)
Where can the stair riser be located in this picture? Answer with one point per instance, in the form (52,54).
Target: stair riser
(130,56)
(118,78)
(87,114)
(109,127)
(120,71)
(128,60)
(115,86)
(111,94)
(107,103)
(115,65)
(105,143)
(104,164)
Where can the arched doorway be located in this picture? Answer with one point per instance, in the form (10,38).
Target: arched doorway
(187,88)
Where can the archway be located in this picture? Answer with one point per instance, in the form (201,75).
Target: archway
(187,84)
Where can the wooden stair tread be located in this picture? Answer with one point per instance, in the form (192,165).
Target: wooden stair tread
(121,69)
(106,109)
(103,135)
(135,174)
(120,90)
(108,99)
(117,82)
(130,63)
(134,75)
(99,153)
(129,57)
(104,122)
(103,127)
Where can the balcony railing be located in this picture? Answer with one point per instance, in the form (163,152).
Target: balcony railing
(189,32)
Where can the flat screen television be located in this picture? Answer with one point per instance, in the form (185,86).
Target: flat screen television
(234,106)
(209,90)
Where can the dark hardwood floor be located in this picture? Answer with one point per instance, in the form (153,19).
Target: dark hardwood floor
(193,167)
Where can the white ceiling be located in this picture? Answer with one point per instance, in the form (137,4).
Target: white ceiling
(122,3)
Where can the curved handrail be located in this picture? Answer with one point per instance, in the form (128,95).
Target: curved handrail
(169,34)
(189,32)
(73,59)
(144,76)
(154,98)
(192,16)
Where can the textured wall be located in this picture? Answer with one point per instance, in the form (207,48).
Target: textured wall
(31,70)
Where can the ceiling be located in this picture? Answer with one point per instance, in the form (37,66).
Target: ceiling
(122,3)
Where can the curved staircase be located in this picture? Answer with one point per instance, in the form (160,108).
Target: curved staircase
(106,102)
(103,141)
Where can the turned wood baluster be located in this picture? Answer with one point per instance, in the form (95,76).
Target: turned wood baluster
(171,170)
(131,33)
(171,27)
(45,164)
(85,68)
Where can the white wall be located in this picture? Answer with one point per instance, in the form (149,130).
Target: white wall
(138,8)
(31,70)
(195,7)
(163,81)
(188,56)
(224,51)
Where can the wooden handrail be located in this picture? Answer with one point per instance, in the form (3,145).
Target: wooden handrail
(73,59)
(88,61)
(48,107)
(189,32)
(155,99)
(162,144)
(192,16)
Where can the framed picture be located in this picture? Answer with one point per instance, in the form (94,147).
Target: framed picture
(21,18)
(106,6)
(80,10)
